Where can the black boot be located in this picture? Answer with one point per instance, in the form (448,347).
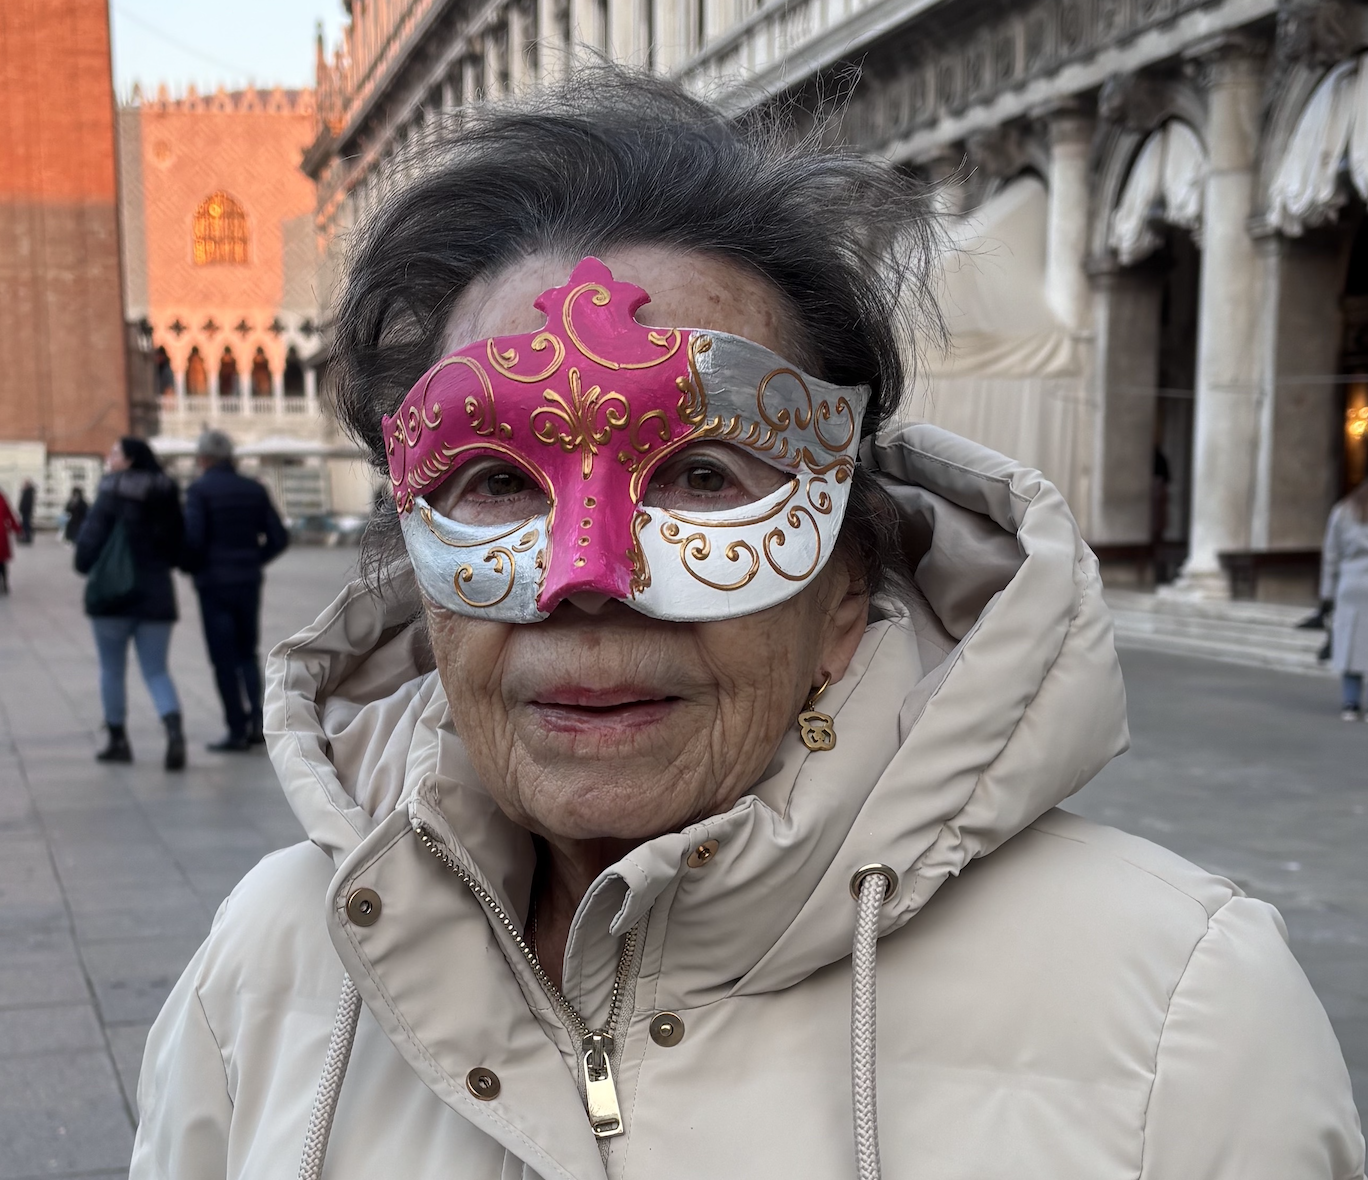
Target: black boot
(118,749)
(175,742)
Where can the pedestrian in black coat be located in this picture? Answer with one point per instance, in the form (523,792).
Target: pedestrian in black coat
(141,496)
(28,497)
(77,507)
(232,530)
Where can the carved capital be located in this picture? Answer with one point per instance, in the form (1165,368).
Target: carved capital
(1316,33)
(1136,102)
(1001,152)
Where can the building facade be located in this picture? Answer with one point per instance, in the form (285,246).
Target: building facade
(1157,286)
(221,261)
(64,381)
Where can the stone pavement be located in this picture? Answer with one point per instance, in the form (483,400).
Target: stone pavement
(109,876)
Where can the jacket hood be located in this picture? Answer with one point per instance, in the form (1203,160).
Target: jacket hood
(968,712)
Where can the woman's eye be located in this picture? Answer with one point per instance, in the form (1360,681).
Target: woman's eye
(504,483)
(705,479)
(711,477)
(489,492)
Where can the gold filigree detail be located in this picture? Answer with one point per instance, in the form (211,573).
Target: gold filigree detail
(768,436)
(697,547)
(499,557)
(777,537)
(669,340)
(641,568)
(693,405)
(484,417)
(579,430)
(504,361)
(425,514)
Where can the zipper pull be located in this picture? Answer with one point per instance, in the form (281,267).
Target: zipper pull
(600,1093)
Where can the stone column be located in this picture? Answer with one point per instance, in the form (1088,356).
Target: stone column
(627,41)
(1066,242)
(311,390)
(278,391)
(1125,316)
(550,45)
(947,170)
(1301,424)
(470,79)
(588,33)
(518,36)
(1228,354)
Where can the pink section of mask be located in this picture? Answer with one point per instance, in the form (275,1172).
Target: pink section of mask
(587,405)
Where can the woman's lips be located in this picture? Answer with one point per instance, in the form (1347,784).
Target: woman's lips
(574,709)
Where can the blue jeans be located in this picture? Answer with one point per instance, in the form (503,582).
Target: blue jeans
(152,640)
(1352,688)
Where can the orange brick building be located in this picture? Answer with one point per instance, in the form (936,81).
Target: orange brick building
(63,383)
(221,263)
(214,200)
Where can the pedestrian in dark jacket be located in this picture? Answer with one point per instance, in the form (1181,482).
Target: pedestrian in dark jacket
(138,494)
(28,497)
(77,506)
(231,530)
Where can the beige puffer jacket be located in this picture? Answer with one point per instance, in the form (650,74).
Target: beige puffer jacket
(1055,1000)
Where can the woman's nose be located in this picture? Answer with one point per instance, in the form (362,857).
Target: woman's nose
(589,601)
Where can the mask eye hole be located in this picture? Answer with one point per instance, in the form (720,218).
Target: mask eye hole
(711,477)
(489,490)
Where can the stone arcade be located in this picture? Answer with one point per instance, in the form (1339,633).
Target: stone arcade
(1161,296)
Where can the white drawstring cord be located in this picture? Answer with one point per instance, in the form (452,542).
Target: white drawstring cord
(873,886)
(330,1084)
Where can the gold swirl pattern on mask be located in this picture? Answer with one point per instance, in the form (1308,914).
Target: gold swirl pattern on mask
(777,537)
(484,416)
(526,541)
(578,416)
(669,340)
(506,361)
(696,547)
(641,568)
(500,558)
(769,435)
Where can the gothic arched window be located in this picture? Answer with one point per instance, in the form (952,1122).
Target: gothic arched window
(228,374)
(196,374)
(220,231)
(261,375)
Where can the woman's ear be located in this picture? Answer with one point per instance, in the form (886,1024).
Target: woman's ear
(845,624)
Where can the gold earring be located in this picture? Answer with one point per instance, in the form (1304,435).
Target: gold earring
(818,729)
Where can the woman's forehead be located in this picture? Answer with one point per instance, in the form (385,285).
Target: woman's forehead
(691,290)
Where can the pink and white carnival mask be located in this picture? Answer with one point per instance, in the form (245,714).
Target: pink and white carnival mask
(589,407)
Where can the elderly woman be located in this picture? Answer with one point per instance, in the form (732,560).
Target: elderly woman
(704,678)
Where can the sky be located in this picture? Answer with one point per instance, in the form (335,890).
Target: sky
(212,43)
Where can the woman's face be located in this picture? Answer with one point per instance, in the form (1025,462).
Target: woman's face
(600,722)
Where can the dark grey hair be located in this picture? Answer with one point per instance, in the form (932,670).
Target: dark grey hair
(215,446)
(615,160)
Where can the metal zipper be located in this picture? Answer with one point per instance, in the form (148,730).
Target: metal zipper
(596,1045)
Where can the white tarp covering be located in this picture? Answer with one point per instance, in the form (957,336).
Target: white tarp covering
(1332,131)
(1012,379)
(1166,179)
